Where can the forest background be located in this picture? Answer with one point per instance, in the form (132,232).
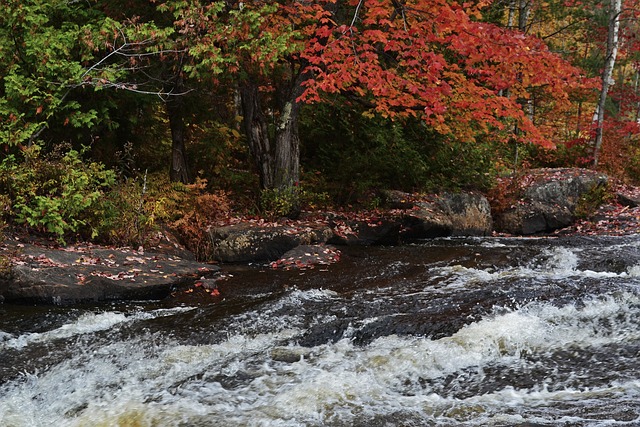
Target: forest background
(119,117)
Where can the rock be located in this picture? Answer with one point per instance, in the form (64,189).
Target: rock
(394,199)
(307,256)
(549,200)
(470,214)
(66,276)
(376,231)
(289,354)
(249,243)
(449,214)
(630,200)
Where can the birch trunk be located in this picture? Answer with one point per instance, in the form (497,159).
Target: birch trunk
(607,73)
(524,9)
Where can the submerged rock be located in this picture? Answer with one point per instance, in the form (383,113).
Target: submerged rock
(289,354)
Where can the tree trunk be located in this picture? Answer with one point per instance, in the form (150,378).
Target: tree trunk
(278,163)
(512,13)
(524,9)
(636,79)
(287,150)
(179,171)
(255,125)
(610,61)
(277,160)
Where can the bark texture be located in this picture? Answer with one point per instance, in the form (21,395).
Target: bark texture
(615,9)
(175,105)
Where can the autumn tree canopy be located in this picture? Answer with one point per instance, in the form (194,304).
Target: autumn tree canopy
(438,60)
(522,73)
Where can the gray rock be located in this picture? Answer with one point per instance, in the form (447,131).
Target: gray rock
(449,214)
(247,243)
(64,276)
(549,200)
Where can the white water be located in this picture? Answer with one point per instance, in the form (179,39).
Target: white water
(243,379)
(86,323)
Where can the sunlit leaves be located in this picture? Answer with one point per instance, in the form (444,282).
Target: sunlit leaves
(434,59)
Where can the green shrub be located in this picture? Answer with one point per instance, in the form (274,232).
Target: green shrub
(56,193)
(589,203)
(277,203)
(130,212)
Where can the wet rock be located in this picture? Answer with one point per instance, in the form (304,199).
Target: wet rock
(249,243)
(63,276)
(307,256)
(549,200)
(290,354)
(375,231)
(449,214)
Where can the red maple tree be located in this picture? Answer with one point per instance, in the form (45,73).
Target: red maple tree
(437,59)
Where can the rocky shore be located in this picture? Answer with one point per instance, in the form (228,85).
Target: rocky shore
(546,201)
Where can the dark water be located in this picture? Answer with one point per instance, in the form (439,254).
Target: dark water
(468,332)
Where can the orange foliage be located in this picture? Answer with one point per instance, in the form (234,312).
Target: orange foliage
(197,211)
(433,59)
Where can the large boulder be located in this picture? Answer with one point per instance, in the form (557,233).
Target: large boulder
(548,200)
(256,243)
(448,214)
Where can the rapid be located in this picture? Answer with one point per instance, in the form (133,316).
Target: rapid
(447,332)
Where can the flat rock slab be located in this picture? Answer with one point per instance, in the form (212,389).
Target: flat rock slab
(62,276)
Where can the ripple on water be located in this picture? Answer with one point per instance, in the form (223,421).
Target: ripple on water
(479,339)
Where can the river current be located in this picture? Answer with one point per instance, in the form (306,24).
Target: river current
(450,332)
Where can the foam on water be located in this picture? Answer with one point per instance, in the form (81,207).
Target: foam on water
(237,382)
(252,370)
(86,323)
(554,264)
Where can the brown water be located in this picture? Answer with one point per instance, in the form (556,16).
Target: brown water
(459,332)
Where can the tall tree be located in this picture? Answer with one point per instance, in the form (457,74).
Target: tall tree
(438,60)
(258,45)
(50,50)
(613,39)
(434,59)
(157,68)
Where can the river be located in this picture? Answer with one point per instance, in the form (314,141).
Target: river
(449,332)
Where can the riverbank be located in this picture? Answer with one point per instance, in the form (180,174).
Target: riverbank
(42,272)
(38,270)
